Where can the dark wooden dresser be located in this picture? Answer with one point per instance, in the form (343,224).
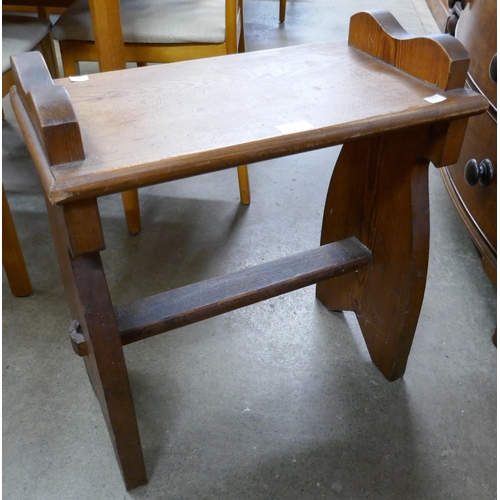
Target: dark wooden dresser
(472,182)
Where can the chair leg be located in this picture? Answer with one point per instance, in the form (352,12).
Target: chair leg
(69,63)
(12,255)
(241,40)
(244,185)
(48,47)
(282,10)
(48,51)
(132,210)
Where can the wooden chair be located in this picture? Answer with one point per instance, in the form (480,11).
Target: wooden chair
(20,34)
(159,31)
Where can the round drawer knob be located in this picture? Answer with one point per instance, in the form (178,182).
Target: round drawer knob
(478,172)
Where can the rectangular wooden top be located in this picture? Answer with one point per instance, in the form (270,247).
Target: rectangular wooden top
(155,124)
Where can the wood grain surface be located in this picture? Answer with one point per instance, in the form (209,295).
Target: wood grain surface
(149,125)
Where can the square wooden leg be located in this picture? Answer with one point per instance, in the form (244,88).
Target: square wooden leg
(78,239)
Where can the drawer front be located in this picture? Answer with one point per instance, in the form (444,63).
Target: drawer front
(477,30)
(479,202)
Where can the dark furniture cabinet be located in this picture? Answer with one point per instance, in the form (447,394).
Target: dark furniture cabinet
(474,23)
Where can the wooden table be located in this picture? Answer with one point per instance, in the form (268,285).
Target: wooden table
(394,101)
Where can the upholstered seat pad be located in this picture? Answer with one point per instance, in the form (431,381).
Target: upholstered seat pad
(152,21)
(21,34)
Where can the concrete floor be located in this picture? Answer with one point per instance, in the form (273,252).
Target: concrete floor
(275,401)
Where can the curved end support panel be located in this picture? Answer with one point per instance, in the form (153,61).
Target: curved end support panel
(440,60)
(379,194)
(49,109)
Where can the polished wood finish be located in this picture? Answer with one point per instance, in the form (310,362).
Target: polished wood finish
(378,193)
(477,205)
(50,109)
(476,28)
(477,31)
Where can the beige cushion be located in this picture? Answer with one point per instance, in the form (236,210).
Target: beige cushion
(21,34)
(152,21)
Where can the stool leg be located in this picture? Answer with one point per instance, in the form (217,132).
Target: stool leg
(379,194)
(12,255)
(78,239)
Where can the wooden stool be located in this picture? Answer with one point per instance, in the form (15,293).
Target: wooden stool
(394,101)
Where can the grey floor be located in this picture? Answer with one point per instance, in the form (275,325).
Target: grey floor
(277,400)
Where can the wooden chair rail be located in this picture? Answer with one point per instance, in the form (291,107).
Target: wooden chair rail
(193,303)
(183,306)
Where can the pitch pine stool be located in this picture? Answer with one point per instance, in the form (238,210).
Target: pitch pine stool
(394,101)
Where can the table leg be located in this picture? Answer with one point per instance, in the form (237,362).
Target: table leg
(78,238)
(379,194)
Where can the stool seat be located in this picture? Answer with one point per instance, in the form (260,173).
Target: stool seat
(20,34)
(152,21)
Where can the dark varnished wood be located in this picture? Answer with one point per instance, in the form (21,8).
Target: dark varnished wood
(166,122)
(90,303)
(192,303)
(49,108)
(477,32)
(477,205)
(476,29)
